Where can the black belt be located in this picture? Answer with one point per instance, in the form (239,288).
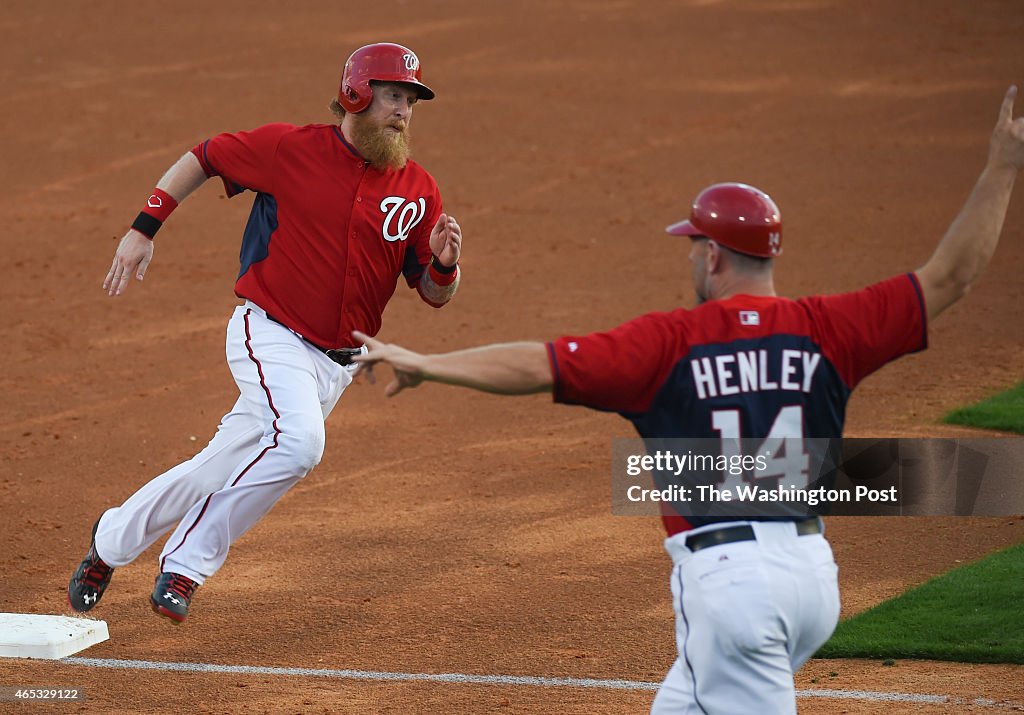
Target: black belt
(342,356)
(744,532)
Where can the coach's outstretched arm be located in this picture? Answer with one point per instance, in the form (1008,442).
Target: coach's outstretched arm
(504,369)
(135,251)
(971,240)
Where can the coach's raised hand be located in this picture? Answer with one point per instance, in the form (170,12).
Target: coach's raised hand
(970,241)
(1006,148)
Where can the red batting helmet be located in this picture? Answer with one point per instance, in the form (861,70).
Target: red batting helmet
(383,62)
(737,216)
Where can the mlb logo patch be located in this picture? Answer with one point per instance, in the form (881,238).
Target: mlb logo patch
(750,317)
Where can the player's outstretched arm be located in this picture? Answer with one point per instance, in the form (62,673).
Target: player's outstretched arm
(135,252)
(505,369)
(971,239)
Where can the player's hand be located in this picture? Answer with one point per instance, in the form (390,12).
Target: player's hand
(446,240)
(131,258)
(1006,147)
(407,364)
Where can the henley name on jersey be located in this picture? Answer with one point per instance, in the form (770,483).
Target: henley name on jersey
(752,371)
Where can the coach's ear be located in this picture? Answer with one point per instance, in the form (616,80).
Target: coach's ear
(714,257)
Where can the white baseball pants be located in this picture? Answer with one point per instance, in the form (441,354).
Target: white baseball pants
(748,615)
(271,438)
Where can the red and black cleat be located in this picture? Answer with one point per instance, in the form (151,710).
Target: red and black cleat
(172,596)
(90,579)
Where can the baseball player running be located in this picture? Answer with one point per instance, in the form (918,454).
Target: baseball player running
(754,599)
(340,213)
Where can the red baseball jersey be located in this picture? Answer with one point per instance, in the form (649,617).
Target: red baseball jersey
(328,234)
(742,367)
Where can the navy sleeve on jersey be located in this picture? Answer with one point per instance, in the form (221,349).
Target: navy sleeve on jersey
(417,253)
(620,370)
(863,330)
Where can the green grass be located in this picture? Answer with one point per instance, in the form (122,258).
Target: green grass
(1004,412)
(974,613)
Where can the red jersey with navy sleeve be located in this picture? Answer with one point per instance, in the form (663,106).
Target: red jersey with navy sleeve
(735,367)
(328,235)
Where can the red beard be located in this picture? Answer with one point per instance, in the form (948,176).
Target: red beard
(379,144)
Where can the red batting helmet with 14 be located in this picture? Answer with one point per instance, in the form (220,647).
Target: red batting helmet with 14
(737,216)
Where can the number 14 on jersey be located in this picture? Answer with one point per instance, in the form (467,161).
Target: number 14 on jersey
(786,460)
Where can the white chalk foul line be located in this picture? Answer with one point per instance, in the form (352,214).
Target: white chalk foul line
(528,680)
(877,697)
(368,674)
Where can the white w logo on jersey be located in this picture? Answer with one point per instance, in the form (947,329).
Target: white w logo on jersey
(406,214)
